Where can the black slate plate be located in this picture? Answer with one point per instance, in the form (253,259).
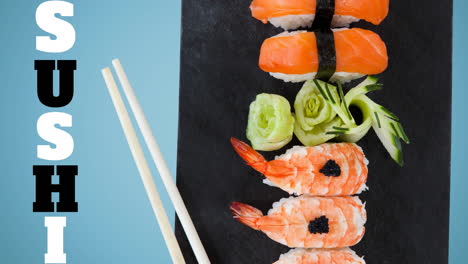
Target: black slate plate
(408,208)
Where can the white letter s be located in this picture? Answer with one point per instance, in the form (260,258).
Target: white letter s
(47,131)
(64,31)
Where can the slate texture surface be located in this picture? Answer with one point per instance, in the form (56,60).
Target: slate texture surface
(408,208)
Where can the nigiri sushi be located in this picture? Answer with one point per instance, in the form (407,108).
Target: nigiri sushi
(307,221)
(318,256)
(293,14)
(325,170)
(343,55)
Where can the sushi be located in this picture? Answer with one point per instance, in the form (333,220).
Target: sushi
(324,170)
(308,222)
(293,14)
(340,55)
(317,256)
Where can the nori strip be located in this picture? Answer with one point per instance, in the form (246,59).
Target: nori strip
(326,54)
(324,11)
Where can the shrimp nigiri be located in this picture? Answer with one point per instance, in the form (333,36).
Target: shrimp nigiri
(324,170)
(318,256)
(308,222)
(293,14)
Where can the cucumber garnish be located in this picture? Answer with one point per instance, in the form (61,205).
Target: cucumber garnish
(271,124)
(387,127)
(322,112)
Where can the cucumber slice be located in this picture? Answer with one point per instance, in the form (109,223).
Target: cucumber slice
(388,129)
(319,134)
(311,107)
(385,124)
(355,134)
(270,124)
(336,100)
(368,85)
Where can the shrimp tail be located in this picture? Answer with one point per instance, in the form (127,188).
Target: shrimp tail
(249,155)
(246,214)
(274,168)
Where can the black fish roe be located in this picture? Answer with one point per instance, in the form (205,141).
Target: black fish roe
(319,225)
(331,169)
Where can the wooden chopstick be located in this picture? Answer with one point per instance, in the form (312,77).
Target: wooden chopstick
(160,163)
(142,165)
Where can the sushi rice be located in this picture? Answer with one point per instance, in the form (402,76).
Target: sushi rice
(290,22)
(314,256)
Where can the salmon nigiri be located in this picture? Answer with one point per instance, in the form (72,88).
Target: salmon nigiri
(293,14)
(293,56)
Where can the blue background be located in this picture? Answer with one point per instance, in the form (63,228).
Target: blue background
(115,223)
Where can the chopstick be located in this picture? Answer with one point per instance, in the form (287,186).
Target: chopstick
(164,172)
(142,165)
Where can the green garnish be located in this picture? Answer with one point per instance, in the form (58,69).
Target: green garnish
(394,119)
(320,89)
(394,129)
(378,119)
(271,124)
(368,85)
(343,101)
(341,128)
(337,105)
(318,135)
(390,114)
(322,112)
(314,113)
(402,131)
(389,130)
(373,87)
(312,108)
(329,93)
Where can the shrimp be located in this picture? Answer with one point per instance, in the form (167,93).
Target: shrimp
(308,222)
(318,256)
(325,170)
